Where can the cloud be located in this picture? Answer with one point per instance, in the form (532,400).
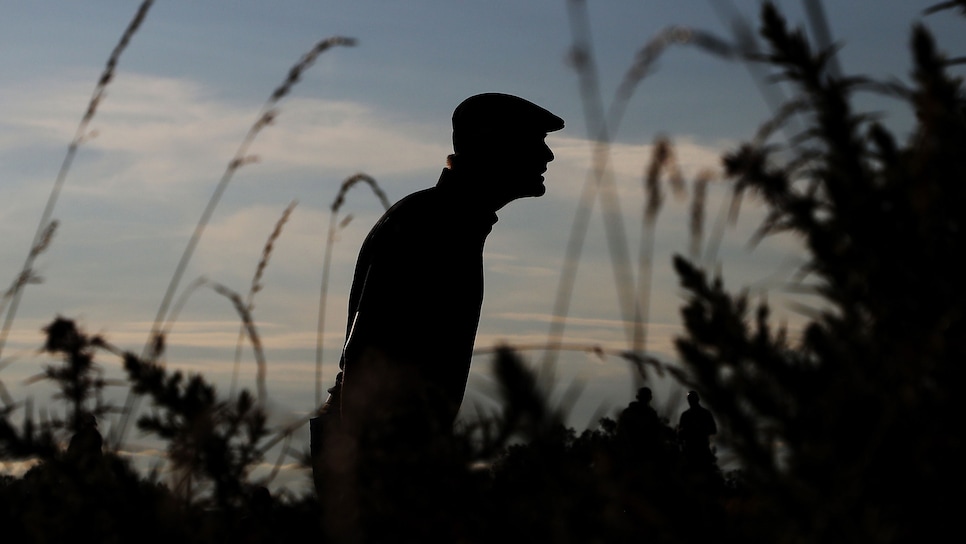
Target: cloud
(168,131)
(175,130)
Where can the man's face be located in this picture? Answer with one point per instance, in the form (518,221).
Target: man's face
(523,163)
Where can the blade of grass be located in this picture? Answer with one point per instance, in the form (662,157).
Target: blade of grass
(698,211)
(265,117)
(249,323)
(46,227)
(334,226)
(278,463)
(599,182)
(256,286)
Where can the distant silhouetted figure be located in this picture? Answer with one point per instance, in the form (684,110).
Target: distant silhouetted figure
(639,421)
(86,445)
(696,427)
(417,292)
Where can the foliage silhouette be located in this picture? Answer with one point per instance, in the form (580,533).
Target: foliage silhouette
(849,432)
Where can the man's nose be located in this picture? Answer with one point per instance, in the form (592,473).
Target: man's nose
(548,153)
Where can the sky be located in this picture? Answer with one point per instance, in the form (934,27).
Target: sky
(193,80)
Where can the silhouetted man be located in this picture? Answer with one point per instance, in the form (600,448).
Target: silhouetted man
(417,292)
(85,446)
(639,421)
(414,308)
(696,427)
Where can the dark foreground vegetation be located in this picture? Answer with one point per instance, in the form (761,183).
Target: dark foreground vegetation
(850,431)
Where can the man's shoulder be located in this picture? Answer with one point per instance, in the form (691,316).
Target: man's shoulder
(417,202)
(422,208)
(410,215)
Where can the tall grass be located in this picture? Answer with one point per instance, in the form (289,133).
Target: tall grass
(335,225)
(265,117)
(46,227)
(633,296)
(255,287)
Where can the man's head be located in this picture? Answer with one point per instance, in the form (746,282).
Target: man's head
(693,399)
(644,395)
(501,137)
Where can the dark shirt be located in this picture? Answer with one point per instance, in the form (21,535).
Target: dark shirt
(415,301)
(697,424)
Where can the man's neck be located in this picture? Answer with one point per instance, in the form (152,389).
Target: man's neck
(478,186)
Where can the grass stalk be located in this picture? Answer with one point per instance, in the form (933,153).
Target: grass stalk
(256,286)
(600,182)
(661,158)
(278,463)
(46,226)
(265,117)
(334,227)
(697,215)
(249,324)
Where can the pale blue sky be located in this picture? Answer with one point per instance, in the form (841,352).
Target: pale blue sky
(197,73)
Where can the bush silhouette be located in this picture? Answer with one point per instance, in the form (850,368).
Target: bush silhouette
(850,433)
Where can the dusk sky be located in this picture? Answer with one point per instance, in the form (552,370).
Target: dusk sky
(196,75)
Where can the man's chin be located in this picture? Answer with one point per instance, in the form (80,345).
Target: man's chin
(537,188)
(528,188)
(533,191)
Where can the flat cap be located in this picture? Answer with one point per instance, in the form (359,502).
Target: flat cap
(489,118)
